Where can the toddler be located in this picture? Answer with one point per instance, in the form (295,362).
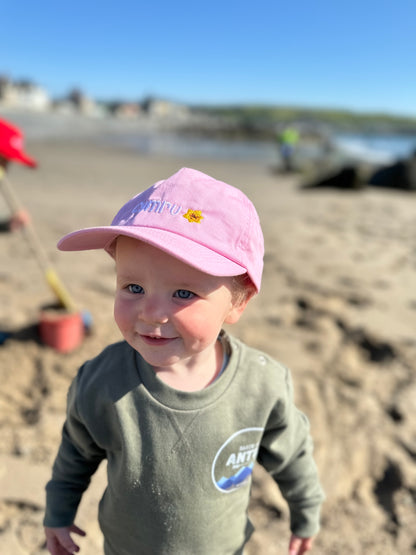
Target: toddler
(180,409)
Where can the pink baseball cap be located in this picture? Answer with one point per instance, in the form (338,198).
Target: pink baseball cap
(203,222)
(11,145)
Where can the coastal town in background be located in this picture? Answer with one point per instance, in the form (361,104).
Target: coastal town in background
(339,147)
(251,120)
(28,95)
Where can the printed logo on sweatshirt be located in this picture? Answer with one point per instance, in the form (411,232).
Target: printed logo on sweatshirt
(234,462)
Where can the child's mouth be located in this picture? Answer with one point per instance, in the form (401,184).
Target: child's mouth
(156,340)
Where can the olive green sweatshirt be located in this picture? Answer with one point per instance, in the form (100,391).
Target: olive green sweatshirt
(180,463)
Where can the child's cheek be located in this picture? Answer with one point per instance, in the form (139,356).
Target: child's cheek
(123,313)
(196,323)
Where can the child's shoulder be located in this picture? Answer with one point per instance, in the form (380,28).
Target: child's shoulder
(259,377)
(110,366)
(262,363)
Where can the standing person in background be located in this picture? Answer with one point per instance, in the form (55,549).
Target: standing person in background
(11,150)
(288,140)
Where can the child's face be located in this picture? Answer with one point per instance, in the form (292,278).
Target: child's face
(166,310)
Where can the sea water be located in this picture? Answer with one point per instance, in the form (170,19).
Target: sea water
(145,139)
(377,149)
(383,148)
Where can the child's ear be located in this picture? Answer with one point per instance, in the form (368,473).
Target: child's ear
(238,307)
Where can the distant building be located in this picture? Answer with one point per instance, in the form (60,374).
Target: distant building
(82,103)
(127,110)
(23,94)
(165,109)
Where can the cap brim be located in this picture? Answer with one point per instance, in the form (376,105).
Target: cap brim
(194,254)
(18,156)
(25,159)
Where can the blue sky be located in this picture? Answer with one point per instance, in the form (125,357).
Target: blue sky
(359,55)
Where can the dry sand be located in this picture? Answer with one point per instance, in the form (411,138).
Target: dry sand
(338,306)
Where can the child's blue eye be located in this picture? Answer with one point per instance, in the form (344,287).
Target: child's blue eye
(136,289)
(184,294)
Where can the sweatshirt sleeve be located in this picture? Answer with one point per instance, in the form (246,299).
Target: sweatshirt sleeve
(77,459)
(286,452)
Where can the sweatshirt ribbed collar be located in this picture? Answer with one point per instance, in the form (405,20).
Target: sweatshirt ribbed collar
(184,400)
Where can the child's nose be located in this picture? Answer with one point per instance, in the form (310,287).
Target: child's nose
(154,311)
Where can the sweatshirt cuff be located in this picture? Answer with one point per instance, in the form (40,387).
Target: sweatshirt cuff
(305,522)
(60,509)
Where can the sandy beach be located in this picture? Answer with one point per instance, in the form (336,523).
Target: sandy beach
(338,306)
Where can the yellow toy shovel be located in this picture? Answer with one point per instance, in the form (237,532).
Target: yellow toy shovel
(36,247)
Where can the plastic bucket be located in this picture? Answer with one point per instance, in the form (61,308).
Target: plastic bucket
(63,331)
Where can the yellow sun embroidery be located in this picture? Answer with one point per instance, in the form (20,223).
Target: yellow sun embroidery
(194,216)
